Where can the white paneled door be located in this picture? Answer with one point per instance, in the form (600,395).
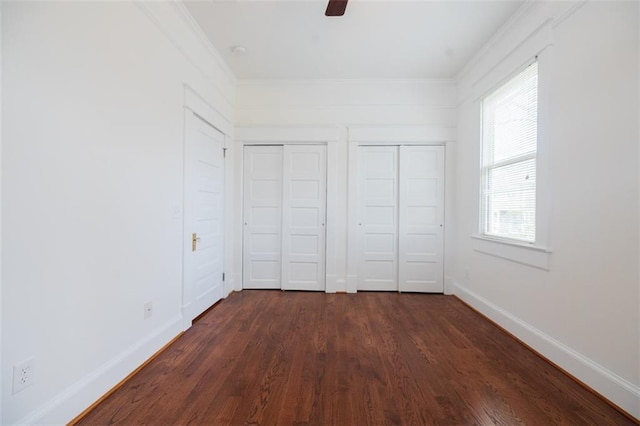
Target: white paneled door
(421,213)
(284,217)
(303,219)
(378,223)
(262,238)
(401,218)
(203,216)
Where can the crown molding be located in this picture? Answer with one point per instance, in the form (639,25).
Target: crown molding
(162,15)
(188,19)
(526,7)
(567,13)
(510,23)
(345,81)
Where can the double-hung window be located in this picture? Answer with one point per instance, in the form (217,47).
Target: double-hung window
(508,159)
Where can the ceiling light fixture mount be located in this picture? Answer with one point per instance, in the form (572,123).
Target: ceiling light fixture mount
(238,50)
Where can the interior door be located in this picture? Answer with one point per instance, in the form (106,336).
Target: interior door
(203,216)
(262,236)
(421,207)
(303,219)
(378,218)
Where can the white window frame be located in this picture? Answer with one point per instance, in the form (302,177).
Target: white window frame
(536,254)
(485,168)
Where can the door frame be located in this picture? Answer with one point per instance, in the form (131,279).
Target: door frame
(194,104)
(395,136)
(329,136)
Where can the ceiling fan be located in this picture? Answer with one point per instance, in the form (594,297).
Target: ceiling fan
(336,8)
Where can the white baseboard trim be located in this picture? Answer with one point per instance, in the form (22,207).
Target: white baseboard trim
(448,286)
(616,389)
(352,283)
(229,287)
(76,398)
(185,318)
(237,281)
(335,284)
(330,285)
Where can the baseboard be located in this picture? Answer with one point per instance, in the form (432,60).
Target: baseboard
(236,279)
(185,318)
(448,285)
(619,391)
(352,283)
(228,287)
(330,285)
(68,404)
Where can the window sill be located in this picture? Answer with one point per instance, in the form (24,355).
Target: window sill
(526,254)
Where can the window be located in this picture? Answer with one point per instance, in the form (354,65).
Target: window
(508,164)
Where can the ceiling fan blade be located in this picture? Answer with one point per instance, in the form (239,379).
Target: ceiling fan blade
(336,8)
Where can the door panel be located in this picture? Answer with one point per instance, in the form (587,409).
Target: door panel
(262,216)
(421,207)
(204,214)
(378,223)
(401,218)
(304,204)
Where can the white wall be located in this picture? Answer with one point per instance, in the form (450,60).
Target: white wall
(1,389)
(346,103)
(394,108)
(582,313)
(93,106)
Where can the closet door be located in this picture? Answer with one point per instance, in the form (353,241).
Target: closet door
(421,207)
(378,218)
(303,219)
(262,239)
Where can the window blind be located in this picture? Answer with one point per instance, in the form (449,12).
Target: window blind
(509,145)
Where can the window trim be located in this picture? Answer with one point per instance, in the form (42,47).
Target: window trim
(520,252)
(537,253)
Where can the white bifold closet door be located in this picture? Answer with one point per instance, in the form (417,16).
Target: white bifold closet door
(378,192)
(303,219)
(284,217)
(401,234)
(262,240)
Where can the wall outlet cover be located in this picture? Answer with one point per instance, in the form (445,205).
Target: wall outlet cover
(24,375)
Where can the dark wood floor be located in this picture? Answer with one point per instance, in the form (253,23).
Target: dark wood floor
(272,357)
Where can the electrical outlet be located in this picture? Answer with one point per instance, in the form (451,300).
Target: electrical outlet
(467,275)
(24,375)
(148,310)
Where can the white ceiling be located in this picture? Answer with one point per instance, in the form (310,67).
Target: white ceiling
(374,39)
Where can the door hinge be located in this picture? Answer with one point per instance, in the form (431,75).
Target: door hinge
(224,152)
(223,276)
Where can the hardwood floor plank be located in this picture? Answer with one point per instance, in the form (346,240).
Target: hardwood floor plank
(289,358)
